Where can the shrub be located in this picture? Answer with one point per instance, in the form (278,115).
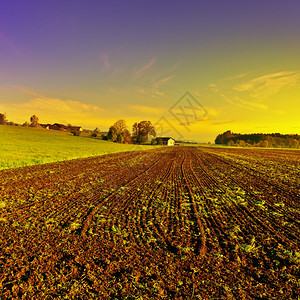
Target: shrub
(76,133)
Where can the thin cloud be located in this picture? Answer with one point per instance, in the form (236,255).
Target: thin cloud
(225,122)
(192,122)
(216,89)
(29,92)
(105,58)
(144,68)
(236,76)
(268,85)
(46,103)
(156,88)
(213,87)
(250,104)
(149,110)
(252,93)
(237,100)
(211,112)
(52,109)
(164,80)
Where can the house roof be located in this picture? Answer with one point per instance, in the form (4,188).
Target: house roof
(75,127)
(165,138)
(60,125)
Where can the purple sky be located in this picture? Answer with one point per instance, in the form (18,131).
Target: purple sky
(120,55)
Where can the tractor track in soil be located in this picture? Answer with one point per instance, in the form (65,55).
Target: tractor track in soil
(161,224)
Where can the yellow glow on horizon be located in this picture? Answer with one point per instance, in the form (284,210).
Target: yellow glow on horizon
(242,103)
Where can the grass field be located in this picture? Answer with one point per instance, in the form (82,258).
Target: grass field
(21,146)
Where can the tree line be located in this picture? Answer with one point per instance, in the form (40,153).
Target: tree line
(34,121)
(142,132)
(275,140)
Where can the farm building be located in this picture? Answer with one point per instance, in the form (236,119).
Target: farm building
(168,141)
(76,128)
(62,127)
(57,126)
(45,126)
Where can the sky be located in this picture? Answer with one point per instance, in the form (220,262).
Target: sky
(193,68)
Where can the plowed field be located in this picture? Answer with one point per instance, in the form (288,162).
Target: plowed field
(170,223)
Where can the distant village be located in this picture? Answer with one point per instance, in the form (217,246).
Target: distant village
(34,122)
(62,127)
(142,132)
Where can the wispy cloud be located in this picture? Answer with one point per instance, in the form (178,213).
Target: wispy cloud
(267,85)
(156,87)
(225,122)
(105,58)
(148,110)
(243,103)
(144,68)
(29,92)
(213,87)
(211,112)
(252,94)
(54,106)
(52,109)
(238,76)
(163,81)
(237,100)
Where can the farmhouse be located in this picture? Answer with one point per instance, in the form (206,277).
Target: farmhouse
(62,127)
(168,141)
(45,126)
(57,126)
(76,128)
